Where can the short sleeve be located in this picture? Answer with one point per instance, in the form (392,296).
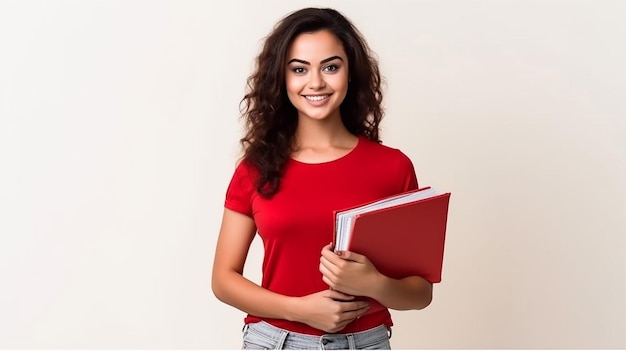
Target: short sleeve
(241,190)
(407,172)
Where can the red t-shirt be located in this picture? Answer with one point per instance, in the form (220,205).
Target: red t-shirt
(298,221)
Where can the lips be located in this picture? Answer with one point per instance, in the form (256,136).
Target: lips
(316,98)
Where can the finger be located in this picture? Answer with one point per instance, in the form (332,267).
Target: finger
(338,295)
(328,265)
(357,306)
(346,318)
(325,262)
(354,306)
(327,248)
(330,256)
(327,269)
(329,282)
(353,256)
(349,316)
(360,312)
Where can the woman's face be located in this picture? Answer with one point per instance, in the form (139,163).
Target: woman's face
(317,75)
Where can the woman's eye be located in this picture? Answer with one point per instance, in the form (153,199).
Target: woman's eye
(331,68)
(298,70)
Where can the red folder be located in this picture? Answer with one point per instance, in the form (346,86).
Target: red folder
(404,240)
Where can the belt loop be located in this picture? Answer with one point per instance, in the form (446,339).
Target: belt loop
(389,331)
(351,343)
(281,340)
(245,327)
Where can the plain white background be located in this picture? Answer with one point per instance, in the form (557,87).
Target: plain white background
(119,133)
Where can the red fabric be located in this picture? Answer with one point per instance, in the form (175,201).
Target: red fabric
(298,221)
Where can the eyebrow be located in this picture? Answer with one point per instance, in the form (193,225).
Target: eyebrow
(321,62)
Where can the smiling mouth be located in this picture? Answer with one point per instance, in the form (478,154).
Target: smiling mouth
(316,97)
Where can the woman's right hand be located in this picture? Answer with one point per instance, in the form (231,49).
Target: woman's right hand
(329,310)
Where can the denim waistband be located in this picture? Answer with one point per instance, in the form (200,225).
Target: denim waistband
(266,336)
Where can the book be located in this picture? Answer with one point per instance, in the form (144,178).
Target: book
(402,235)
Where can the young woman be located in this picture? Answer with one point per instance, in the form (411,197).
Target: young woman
(311,147)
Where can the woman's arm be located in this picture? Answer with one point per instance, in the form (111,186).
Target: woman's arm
(354,274)
(324,310)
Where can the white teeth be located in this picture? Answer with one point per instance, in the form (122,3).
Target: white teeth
(316,98)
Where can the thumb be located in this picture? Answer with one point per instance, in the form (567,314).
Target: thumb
(352,256)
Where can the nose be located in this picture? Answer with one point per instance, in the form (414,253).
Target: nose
(316,80)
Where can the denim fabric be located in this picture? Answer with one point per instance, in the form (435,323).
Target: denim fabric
(264,336)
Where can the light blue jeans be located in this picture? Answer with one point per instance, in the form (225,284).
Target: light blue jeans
(264,336)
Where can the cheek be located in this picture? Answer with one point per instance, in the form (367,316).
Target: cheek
(293,91)
(292,85)
(340,83)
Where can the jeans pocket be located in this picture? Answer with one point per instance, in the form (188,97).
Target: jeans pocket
(377,340)
(380,345)
(252,340)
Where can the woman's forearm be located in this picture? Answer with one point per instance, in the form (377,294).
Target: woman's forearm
(411,293)
(234,289)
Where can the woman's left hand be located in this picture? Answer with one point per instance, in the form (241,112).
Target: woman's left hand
(348,272)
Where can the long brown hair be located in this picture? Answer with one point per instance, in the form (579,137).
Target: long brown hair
(271,119)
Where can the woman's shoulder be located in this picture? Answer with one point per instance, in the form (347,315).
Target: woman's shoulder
(390,164)
(245,171)
(384,151)
(246,166)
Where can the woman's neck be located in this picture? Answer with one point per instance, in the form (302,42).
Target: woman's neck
(322,133)
(322,142)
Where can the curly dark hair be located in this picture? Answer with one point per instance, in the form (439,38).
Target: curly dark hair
(271,119)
